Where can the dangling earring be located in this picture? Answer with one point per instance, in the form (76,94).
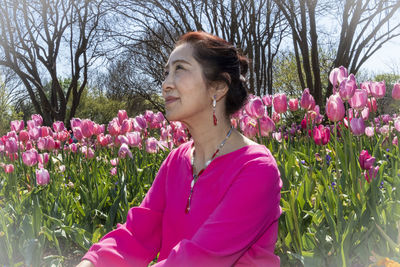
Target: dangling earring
(214,104)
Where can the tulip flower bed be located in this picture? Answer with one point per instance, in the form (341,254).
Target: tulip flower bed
(62,190)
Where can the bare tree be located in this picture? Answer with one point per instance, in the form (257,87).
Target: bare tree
(35,34)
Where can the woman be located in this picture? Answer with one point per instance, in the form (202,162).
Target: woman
(215,200)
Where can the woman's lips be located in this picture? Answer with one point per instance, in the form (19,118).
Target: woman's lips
(169,100)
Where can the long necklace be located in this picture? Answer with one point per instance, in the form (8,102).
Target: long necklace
(196,176)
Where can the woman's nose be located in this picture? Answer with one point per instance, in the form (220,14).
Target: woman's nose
(167,83)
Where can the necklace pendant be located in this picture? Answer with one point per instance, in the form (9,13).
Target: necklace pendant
(187,206)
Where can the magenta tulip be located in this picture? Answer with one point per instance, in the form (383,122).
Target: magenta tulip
(378,89)
(23,136)
(42,177)
(293,104)
(75,122)
(87,128)
(141,122)
(335,108)
(254,107)
(396,91)
(307,101)
(359,99)
(321,135)
(148,116)
(17,125)
(347,87)
(267,99)
(366,160)
(126,126)
(30,157)
(371,174)
(280,103)
(77,133)
(357,126)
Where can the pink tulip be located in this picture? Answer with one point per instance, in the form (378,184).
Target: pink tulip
(123,139)
(30,157)
(23,136)
(73,147)
(75,122)
(63,135)
(45,131)
(369,131)
(366,160)
(152,145)
(37,119)
(8,168)
(254,107)
(293,104)
(266,125)
(134,139)
(378,89)
(359,99)
(30,124)
(104,140)
(99,129)
(157,121)
(113,171)
(11,145)
(248,126)
(267,99)
(87,128)
(42,177)
(148,116)
(58,126)
(141,122)
(124,151)
(347,87)
(126,126)
(371,174)
(366,86)
(337,75)
(77,133)
(372,104)
(275,117)
(335,108)
(43,158)
(365,113)
(17,126)
(114,127)
(357,126)
(395,141)
(122,115)
(321,135)
(114,162)
(277,136)
(396,91)
(397,124)
(34,133)
(87,152)
(307,101)
(62,168)
(280,103)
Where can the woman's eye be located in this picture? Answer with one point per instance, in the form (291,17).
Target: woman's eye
(178,67)
(166,73)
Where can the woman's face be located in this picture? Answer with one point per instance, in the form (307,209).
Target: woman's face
(184,89)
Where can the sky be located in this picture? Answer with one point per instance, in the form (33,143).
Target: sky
(386,59)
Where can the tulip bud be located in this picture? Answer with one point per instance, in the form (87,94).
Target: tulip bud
(307,101)
(335,108)
(366,160)
(378,89)
(293,104)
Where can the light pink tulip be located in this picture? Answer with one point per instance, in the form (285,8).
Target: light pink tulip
(30,157)
(280,103)
(11,145)
(124,151)
(62,168)
(141,122)
(43,158)
(134,139)
(267,99)
(152,145)
(254,107)
(42,177)
(395,141)
(277,136)
(113,171)
(34,133)
(157,121)
(77,133)
(266,125)
(396,91)
(126,126)
(357,126)
(366,86)
(275,117)
(122,115)
(337,75)
(123,139)
(17,125)
(293,104)
(99,129)
(114,162)
(37,118)
(58,126)
(8,168)
(359,99)
(114,127)
(347,87)
(365,113)
(335,108)
(30,124)
(63,135)
(378,89)
(248,126)
(397,124)
(369,131)
(307,101)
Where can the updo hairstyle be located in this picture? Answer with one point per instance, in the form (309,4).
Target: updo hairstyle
(220,61)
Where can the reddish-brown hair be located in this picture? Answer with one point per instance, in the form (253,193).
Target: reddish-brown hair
(220,61)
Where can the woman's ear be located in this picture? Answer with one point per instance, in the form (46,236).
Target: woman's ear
(220,88)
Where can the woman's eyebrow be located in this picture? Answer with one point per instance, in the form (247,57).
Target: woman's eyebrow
(177,61)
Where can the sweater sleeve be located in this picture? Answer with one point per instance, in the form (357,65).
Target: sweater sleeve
(136,242)
(249,208)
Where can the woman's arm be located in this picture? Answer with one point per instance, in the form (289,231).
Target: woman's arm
(85,263)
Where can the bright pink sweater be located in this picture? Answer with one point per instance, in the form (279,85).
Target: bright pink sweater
(233,220)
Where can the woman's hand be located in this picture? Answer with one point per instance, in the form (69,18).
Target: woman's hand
(85,263)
